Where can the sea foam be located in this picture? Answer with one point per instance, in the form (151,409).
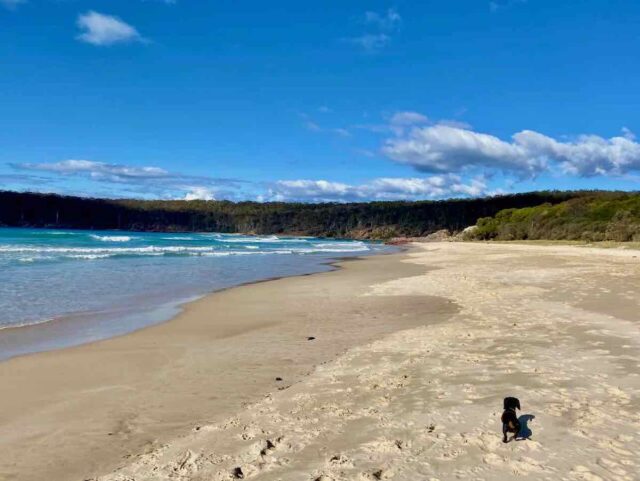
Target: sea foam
(111,238)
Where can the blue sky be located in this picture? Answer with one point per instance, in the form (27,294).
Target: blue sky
(318,101)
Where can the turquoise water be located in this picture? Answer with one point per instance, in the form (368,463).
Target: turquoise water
(65,287)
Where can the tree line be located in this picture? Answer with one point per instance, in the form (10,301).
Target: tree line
(373,220)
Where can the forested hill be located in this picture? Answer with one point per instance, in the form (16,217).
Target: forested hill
(376,220)
(591,217)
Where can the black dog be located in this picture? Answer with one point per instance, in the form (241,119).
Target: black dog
(510,423)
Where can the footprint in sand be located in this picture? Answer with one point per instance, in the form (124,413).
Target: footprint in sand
(187,463)
(270,446)
(493,459)
(340,460)
(383,474)
(612,466)
(583,473)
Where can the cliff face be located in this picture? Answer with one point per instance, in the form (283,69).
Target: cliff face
(375,220)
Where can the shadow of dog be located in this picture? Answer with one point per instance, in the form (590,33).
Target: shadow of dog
(525,430)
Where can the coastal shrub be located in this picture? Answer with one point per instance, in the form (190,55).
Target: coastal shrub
(601,216)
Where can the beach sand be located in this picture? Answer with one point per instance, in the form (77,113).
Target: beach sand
(75,413)
(421,349)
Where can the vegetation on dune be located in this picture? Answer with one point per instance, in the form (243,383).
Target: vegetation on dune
(374,220)
(592,217)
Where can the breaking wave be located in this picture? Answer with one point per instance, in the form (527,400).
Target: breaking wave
(111,238)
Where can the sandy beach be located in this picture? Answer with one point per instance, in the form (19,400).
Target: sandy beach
(404,379)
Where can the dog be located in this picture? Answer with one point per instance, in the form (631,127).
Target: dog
(510,423)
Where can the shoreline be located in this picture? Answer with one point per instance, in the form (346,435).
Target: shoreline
(58,333)
(119,386)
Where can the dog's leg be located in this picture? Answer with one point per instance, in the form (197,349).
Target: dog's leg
(504,433)
(517,429)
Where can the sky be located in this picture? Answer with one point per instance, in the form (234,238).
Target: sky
(318,101)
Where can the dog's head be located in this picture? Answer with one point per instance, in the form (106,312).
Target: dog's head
(511,403)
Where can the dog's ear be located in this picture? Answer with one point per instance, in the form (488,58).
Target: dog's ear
(518,404)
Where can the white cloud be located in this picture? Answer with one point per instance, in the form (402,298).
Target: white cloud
(199,193)
(408,118)
(380,26)
(400,121)
(97,170)
(388,20)
(456,123)
(385,188)
(138,180)
(441,148)
(588,155)
(102,30)
(436,186)
(447,148)
(308,189)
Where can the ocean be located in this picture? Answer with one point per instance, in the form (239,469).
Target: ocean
(60,288)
